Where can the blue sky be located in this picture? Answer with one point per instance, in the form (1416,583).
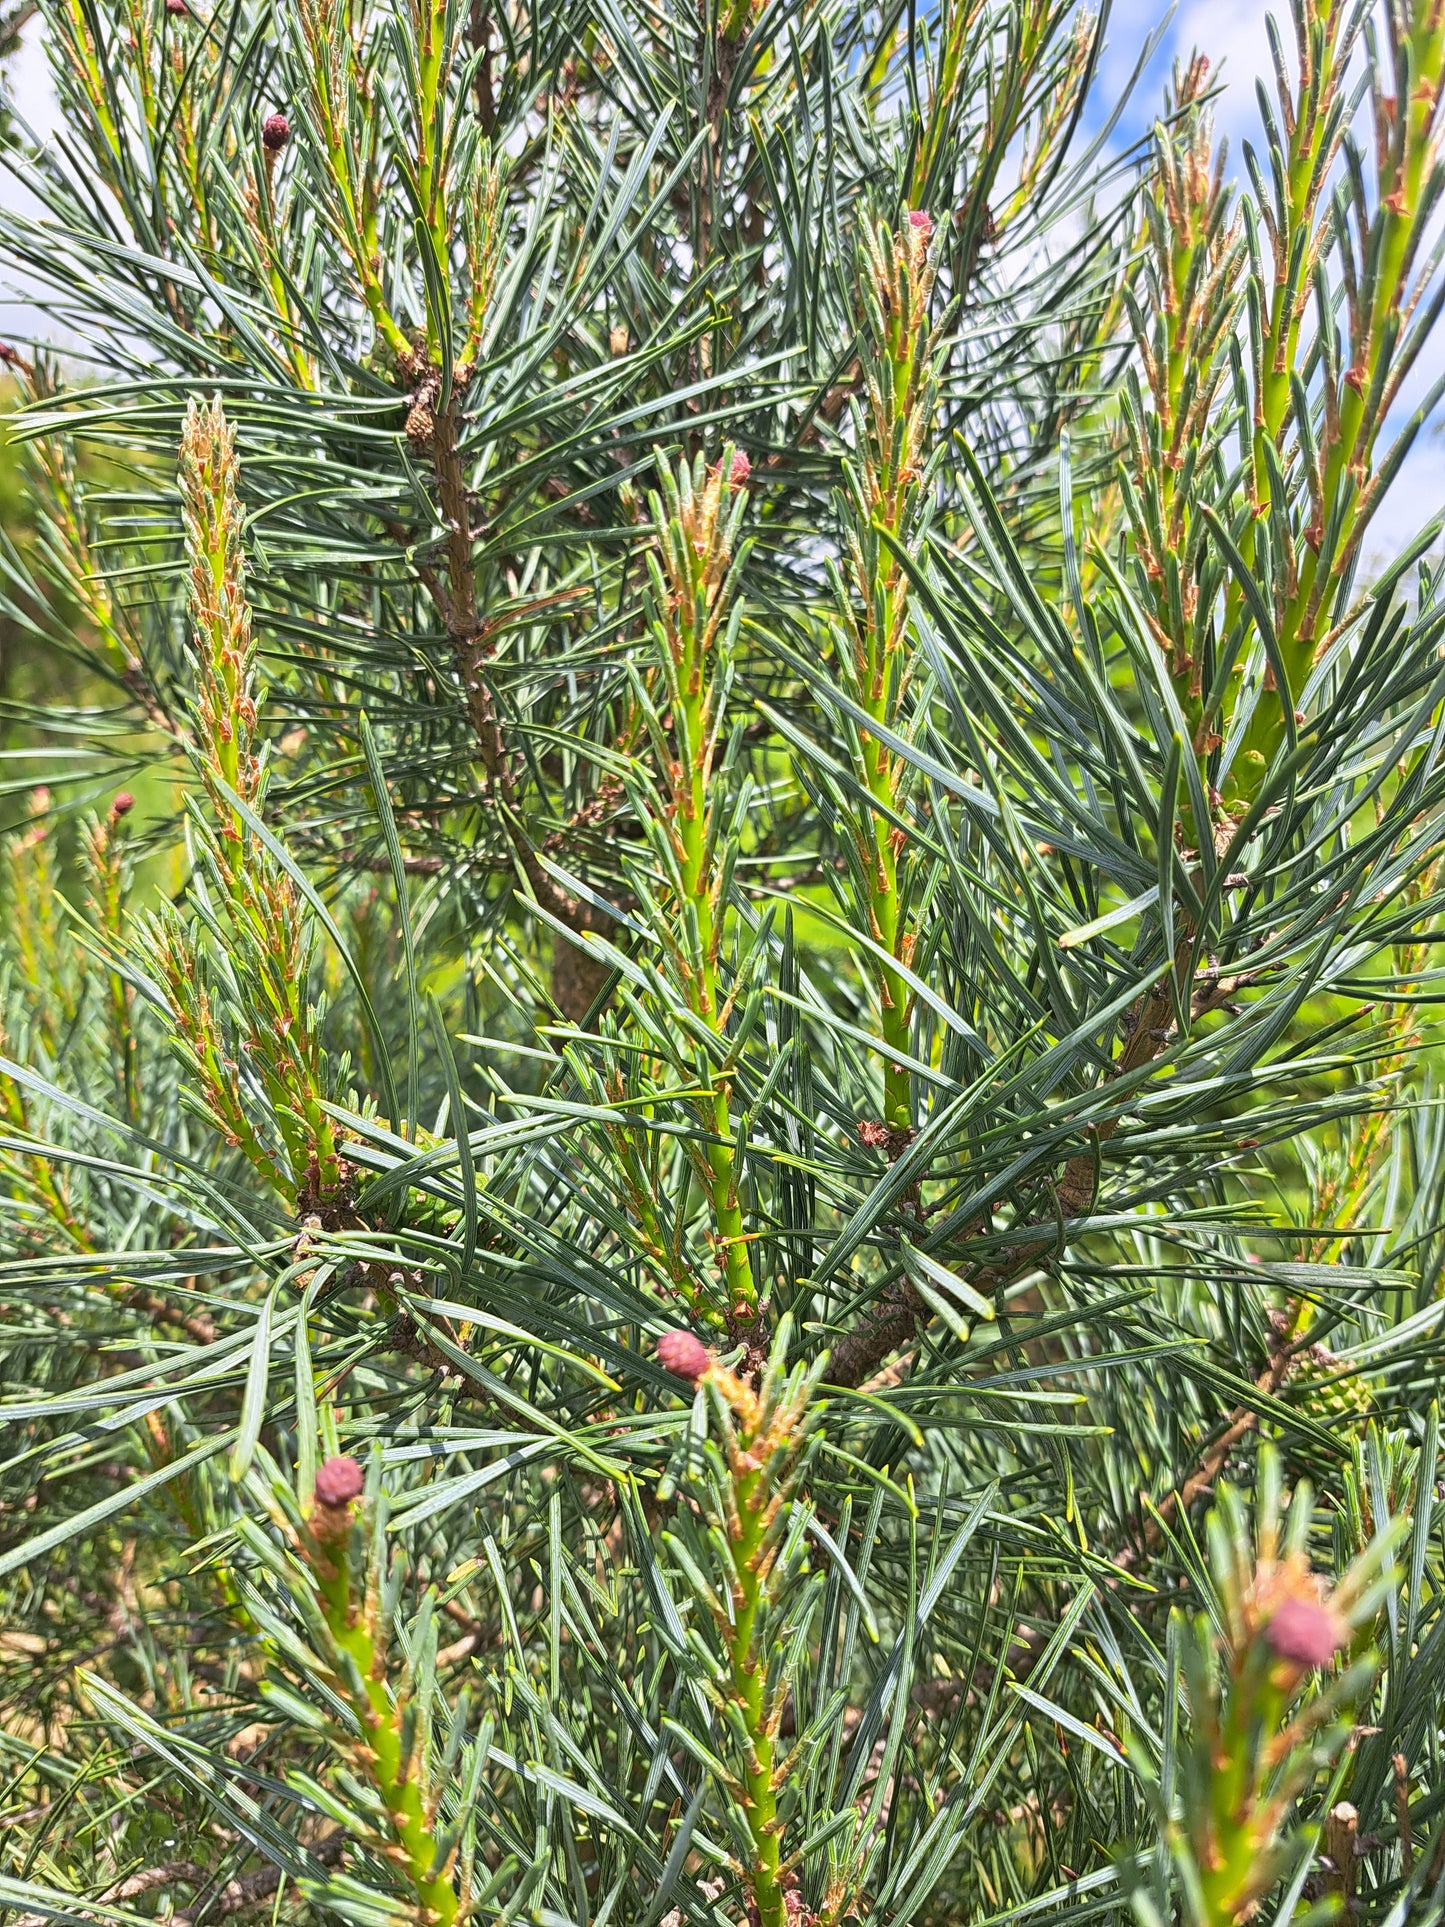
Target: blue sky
(1230,32)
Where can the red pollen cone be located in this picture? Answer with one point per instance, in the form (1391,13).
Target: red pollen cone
(338,1482)
(683,1354)
(1304,1632)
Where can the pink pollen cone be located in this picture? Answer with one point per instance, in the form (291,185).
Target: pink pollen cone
(1305,1633)
(922,225)
(741,469)
(338,1482)
(684,1354)
(123,804)
(275,132)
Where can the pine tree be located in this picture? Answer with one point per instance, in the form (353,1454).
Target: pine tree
(722,1179)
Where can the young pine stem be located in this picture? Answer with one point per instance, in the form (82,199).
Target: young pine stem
(1183,324)
(1315,128)
(1393,248)
(356,1629)
(754,1505)
(272,948)
(1313,138)
(697,520)
(338,92)
(78,45)
(485,235)
(943,99)
(888,506)
(220,623)
(431,156)
(756,1463)
(1259,1736)
(260,204)
(433,64)
(106,863)
(1407,148)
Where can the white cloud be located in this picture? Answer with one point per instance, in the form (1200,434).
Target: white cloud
(1232,34)
(30,83)
(1418,495)
(32,89)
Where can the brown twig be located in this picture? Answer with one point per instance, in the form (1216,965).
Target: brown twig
(892,1323)
(198,1324)
(249,1889)
(233,1898)
(1284,1354)
(1342,1845)
(887,1328)
(479,32)
(412,866)
(1401,1768)
(577,976)
(172,1873)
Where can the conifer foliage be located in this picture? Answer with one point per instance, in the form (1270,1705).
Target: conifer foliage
(721,1164)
